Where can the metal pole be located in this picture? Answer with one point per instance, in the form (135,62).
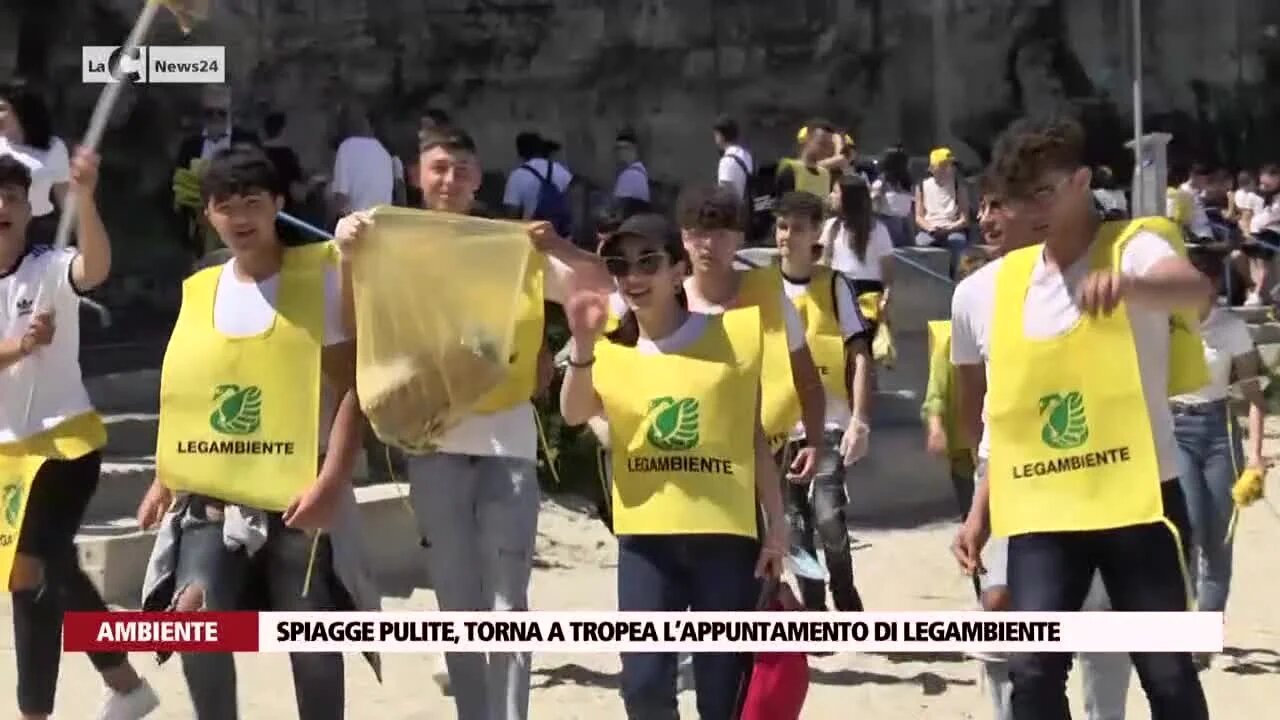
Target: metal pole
(1138,171)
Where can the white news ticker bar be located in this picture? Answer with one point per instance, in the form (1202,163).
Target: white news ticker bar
(668,632)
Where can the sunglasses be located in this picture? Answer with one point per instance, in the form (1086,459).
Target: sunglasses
(647,264)
(215,113)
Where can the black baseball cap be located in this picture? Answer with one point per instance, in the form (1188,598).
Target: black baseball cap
(650,226)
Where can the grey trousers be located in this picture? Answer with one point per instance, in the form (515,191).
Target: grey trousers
(1104,676)
(479,518)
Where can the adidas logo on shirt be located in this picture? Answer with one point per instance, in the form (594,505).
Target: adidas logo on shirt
(24,307)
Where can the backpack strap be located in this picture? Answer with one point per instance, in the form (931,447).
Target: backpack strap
(741,164)
(544,179)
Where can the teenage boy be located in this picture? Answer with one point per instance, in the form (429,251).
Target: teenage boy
(258,344)
(476,498)
(51,441)
(839,341)
(1044,315)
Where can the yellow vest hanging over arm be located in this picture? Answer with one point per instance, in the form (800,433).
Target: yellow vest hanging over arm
(239,417)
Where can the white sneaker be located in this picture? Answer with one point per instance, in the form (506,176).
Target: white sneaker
(133,705)
(1253,299)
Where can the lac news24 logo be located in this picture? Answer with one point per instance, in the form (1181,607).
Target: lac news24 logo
(153,64)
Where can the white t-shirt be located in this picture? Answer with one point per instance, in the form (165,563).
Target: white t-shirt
(1266,216)
(1051,310)
(1112,200)
(1199,226)
(1248,200)
(851,324)
(632,182)
(523,186)
(941,205)
(897,203)
(730,171)
(1226,337)
(364,172)
(48,168)
(879,247)
(54,370)
(244,308)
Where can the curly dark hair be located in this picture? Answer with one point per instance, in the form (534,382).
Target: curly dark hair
(709,207)
(1031,147)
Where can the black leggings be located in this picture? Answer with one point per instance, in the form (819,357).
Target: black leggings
(56,505)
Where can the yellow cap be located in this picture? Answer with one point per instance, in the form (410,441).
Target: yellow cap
(937,156)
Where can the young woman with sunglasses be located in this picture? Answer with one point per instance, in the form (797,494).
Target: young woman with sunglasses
(681,393)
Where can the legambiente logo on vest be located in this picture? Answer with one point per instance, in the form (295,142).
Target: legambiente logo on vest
(1067,428)
(673,427)
(237,412)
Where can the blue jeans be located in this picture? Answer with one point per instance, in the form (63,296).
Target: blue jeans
(1209,461)
(955,241)
(674,573)
(1140,567)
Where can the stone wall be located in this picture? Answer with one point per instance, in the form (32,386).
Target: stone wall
(915,71)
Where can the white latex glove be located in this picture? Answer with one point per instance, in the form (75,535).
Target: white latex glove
(855,442)
(350,231)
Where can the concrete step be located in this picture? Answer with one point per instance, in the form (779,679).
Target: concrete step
(131,434)
(123,482)
(114,552)
(1254,315)
(1265,333)
(1270,353)
(137,391)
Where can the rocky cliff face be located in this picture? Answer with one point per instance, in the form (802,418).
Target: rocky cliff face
(915,71)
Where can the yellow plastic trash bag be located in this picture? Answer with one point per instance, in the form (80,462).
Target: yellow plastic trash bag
(434,296)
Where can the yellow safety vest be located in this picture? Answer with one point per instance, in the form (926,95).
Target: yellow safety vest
(1187,369)
(682,428)
(239,417)
(817,309)
(780,406)
(20,462)
(522,380)
(1071,441)
(816,181)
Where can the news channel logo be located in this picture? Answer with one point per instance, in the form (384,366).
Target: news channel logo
(153,64)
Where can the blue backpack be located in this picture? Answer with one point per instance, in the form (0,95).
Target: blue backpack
(552,205)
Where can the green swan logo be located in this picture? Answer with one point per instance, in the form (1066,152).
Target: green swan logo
(238,411)
(673,424)
(1064,421)
(11,499)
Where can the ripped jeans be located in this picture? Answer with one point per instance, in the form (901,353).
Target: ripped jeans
(55,507)
(272,578)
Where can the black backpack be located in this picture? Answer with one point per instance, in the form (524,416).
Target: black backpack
(552,205)
(758,204)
